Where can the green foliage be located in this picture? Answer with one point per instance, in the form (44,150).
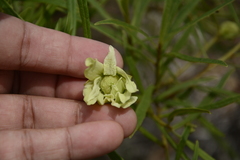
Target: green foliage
(143,106)
(8,9)
(195,59)
(84,14)
(161,41)
(184,111)
(114,155)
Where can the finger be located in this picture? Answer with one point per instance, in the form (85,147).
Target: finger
(41,84)
(21,112)
(83,141)
(32,48)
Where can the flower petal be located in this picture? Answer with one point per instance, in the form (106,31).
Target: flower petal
(120,85)
(94,70)
(123,98)
(91,91)
(115,104)
(100,99)
(110,63)
(130,85)
(132,100)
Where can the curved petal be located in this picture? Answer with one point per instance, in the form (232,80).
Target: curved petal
(120,85)
(122,98)
(130,85)
(132,100)
(94,70)
(115,104)
(101,99)
(110,63)
(91,91)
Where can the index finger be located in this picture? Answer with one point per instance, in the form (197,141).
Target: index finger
(32,48)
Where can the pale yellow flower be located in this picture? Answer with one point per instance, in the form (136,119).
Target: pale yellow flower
(107,83)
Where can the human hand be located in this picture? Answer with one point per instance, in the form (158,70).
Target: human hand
(42,115)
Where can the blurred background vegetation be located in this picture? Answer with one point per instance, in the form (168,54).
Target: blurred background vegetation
(184,56)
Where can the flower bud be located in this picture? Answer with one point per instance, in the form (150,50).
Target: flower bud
(229,30)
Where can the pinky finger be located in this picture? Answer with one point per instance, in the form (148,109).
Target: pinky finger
(84,141)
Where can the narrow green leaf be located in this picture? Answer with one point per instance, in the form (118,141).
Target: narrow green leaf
(166,20)
(100,9)
(114,156)
(183,40)
(143,106)
(41,19)
(59,25)
(150,136)
(123,5)
(121,24)
(234,14)
(182,143)
(213,92)
(195,59)
(221,103)
(184,12)
(171,141)
(178,102)
(184,111)
(168,137)
(109,32)
(72,17)
(224,79)
(211,128)
(60,3)
(201,153)
(195,153)
(178,87)
(140,7)
(84,14)
(7,8)
(175,7)
(205,15)
(217,90)
(185,121)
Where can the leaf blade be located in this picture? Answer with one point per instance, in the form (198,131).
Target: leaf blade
(195,153)
(184,111)
(96,4)
(143,107)
(175,31)
(182,143)
(121,24)
(195,59)
(139,10)
(60,3)
(179,87)
(7,8)
(221,103)
(150,136)
(166,20)
(114,156)
(72,17)
(201,152)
